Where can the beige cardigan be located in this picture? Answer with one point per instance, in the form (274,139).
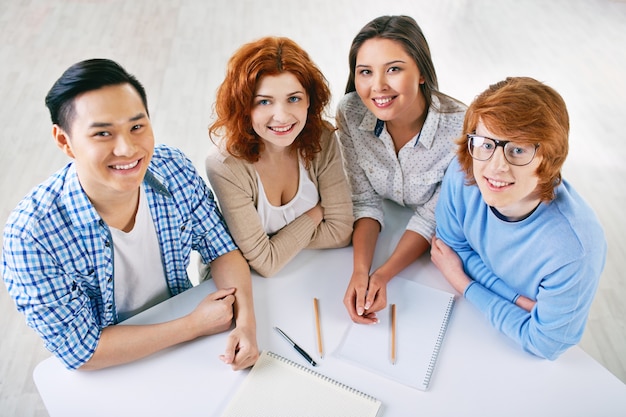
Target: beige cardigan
(234,182)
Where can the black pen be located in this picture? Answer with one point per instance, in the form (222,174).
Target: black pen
(296,347)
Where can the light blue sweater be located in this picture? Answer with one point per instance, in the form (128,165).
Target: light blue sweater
(555,256)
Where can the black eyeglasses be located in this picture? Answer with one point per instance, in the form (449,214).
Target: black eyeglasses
(482,148)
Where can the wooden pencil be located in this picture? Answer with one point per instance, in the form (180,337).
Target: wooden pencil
(393,334)
(318,328)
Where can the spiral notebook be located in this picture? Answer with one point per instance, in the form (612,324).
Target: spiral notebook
(422,319)
(279,387)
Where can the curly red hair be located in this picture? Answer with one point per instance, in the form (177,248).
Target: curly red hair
(233,106)
(523,110)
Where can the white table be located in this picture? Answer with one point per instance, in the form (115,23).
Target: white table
(479,371)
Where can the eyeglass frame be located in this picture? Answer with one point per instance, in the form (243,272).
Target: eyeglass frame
(497,142)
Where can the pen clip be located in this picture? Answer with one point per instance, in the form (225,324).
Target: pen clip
(283,334)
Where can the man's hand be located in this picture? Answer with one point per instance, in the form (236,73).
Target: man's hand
(241,348)
(450,265)
(214,314)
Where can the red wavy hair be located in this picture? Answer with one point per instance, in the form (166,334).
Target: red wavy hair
(523,110)
(233,105)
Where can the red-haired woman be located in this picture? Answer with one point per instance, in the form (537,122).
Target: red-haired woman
(277,170)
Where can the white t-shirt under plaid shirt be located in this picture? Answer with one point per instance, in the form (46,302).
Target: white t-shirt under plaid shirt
(412,178)
(139,282)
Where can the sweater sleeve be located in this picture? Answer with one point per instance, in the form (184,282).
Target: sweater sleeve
(236,190)
(335,230)
(558,319)
(450,212)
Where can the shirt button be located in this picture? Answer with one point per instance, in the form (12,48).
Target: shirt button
(107,243)
(110,280)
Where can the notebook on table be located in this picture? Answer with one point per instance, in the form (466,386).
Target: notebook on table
(279,387)
(421,322)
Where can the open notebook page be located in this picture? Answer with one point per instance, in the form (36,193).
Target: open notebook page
(422,318)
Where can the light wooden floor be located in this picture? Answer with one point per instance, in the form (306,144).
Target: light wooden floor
(178,49)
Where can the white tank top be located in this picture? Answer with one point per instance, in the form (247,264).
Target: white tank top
(275,218)
(138,276)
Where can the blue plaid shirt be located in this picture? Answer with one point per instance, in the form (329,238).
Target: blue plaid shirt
(57,259)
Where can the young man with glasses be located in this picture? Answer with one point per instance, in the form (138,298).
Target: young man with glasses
(512,236)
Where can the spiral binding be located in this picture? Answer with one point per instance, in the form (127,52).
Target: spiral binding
(442,332)
(321,376)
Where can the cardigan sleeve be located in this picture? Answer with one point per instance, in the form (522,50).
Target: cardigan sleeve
(234,183)
(335,230)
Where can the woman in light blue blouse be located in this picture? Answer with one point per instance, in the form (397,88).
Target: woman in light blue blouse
(397,132)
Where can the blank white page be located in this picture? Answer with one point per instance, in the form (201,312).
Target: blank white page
(422,315)
(279,387)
